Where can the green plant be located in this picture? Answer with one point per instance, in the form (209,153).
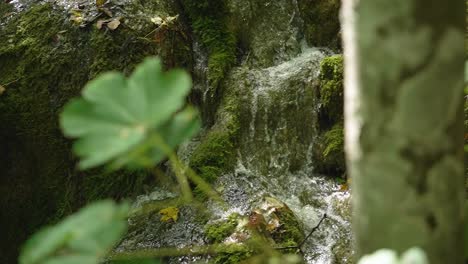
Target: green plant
(130,122)
(411,256)
(133,122)
(84,237)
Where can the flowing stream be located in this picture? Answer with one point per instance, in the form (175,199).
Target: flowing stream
(275,158)
(280,109)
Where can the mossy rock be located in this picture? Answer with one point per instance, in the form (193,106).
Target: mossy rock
(272,222)
(268,32)
(322,23)
(45,61)
(208,19)
(232,254)
(218,231)
(290,232)
(216,154)
(281,223)
(4,10)
(331,91)
(329,153)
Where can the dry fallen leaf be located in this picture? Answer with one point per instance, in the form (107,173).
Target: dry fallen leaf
(99,23)
(113,24)
(157,20)
(2,89)
(170,19)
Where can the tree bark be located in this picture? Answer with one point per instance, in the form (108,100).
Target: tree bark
(404,63)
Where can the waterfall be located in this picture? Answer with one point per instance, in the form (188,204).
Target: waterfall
(275,138)
(276,85)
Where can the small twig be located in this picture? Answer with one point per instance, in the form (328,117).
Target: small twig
(313,230)
(307,237)
(152,31)
(172,252)
(10,82)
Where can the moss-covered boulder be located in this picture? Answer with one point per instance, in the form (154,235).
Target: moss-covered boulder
(333,152)
(329,155)
(270,223)
(216,152)
(218,231)
(45,59)
(331,91)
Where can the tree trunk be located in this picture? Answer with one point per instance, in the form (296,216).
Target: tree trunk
(404,63)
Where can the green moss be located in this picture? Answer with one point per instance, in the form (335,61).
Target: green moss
(232,254)
(5,9)
(35,159)
(213,156)
(334,149)
(322,22)
(331,89)
(208,19)
(216,153)
(289,233)
(45,60)
(330,154)
(217,232)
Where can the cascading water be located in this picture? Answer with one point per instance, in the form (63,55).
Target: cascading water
(275,159)
(275,156)
(277,82)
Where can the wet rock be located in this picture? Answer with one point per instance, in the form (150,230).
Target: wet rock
(46,59)
(269,31)
(329,153)
(321,22)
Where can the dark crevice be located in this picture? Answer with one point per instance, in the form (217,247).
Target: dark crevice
(431,222)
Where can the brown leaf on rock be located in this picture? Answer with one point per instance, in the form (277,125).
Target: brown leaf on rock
(114,24)
(99,23)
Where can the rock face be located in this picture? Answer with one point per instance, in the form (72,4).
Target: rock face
(257,80)
(46,59)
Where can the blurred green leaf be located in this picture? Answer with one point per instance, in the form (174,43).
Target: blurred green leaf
(135,261)
(130,121)
(466,71)
(411,256)
(466,228)
(82,238)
